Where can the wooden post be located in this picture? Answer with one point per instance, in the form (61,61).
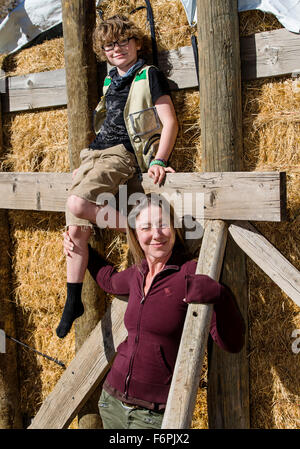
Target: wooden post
(81,73)
(186,377)
(79,18)
(221,134)
(10,416)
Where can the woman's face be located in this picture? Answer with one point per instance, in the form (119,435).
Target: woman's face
(154,233)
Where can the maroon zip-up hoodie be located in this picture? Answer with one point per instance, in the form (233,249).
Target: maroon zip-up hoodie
(145,361)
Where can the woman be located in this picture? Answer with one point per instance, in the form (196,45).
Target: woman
(159,284)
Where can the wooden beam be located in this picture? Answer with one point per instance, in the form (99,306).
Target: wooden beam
(221,134)
(79,18)
(228,195)
(271,53)
(183,392)
(10,412)
(85,372)
(36,90)
(268,258)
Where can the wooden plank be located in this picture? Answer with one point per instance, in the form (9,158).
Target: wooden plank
(185,381)
(271,53)
(36,90)
(34,191)
(268,258)
(85,372)
(222,142)
(227,196)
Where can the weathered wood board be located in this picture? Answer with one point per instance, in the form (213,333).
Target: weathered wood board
(227,196)
(271,53)
(268,258)
(36,90)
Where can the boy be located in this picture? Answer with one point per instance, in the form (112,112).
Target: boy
(134,121)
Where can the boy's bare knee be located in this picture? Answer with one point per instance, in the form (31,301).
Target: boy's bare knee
(76,205)
(79,232)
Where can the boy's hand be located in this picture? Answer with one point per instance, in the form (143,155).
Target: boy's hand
(68,244)
(158,173)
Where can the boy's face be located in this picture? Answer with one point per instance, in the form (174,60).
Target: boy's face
(125,56)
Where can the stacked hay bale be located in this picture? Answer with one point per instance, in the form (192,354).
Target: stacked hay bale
(6,6)
(37,141)
(271,118)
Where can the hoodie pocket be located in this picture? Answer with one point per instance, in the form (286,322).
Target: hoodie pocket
(150,364)
(121,362)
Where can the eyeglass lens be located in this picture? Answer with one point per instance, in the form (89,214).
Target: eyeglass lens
(111,45)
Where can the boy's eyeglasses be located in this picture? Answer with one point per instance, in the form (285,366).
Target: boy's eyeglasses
(111,45)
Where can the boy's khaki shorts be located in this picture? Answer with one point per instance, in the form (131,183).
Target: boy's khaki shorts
(100,171)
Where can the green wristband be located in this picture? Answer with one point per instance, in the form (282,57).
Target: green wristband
(157,162)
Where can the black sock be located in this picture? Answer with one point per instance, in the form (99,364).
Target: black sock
(72,310)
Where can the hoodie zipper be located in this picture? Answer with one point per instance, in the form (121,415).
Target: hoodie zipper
(136,340)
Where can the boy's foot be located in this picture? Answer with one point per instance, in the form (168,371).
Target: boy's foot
(72,310)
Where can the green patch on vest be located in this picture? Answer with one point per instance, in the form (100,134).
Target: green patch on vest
(107,81)
(141,76)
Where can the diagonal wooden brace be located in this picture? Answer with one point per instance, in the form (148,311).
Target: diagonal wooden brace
(183,391)
(84,373)
(268,258)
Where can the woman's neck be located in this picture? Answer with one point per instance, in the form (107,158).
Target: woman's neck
(157,265)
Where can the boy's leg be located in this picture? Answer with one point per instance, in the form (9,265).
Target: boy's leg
(100,171)
(96,214)
(78,259)
(76,267)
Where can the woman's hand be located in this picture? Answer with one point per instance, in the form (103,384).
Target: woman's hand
(68,244)
(158,173)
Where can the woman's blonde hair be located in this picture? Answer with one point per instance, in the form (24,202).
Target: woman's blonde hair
(153,199)
(113,29)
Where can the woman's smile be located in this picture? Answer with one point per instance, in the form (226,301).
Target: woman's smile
(157,244)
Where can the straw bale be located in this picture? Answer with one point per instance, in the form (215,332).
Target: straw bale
(46,56)
(271,142)
(39,277)
(37,141)
(257,22)
(6,6)
(186,151)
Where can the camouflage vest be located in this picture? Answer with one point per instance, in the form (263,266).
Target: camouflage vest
(141,118)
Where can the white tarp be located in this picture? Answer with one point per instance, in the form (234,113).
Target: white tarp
(286,11)
(29,19)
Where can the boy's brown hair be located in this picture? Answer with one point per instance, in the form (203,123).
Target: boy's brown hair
(113,29)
